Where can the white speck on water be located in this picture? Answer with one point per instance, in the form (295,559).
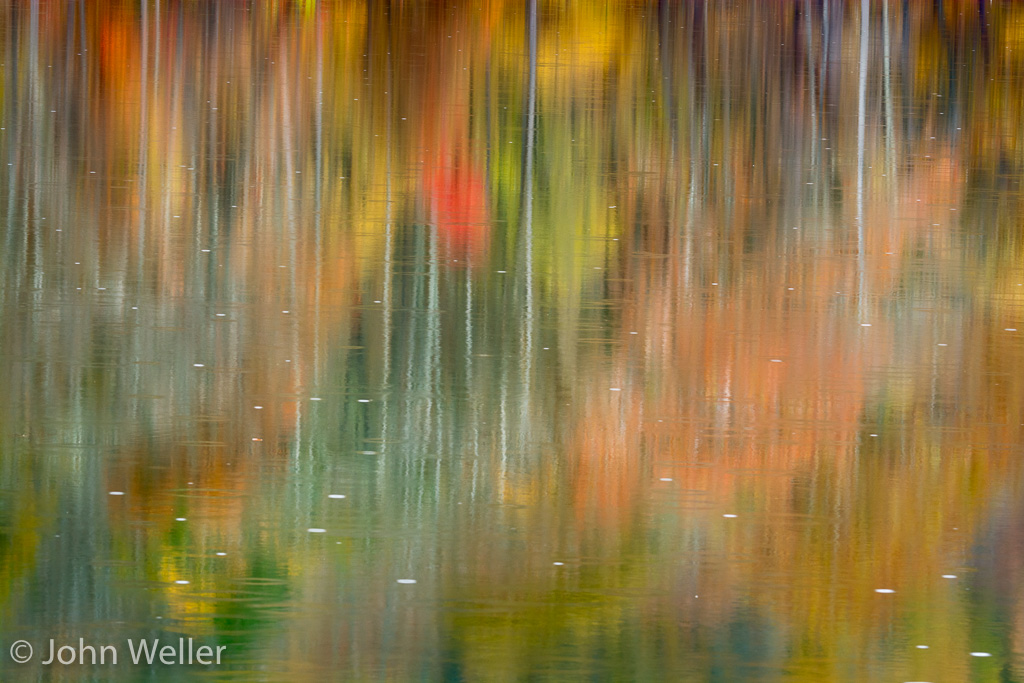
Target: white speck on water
(221,315)
(407,581)
(949,576)
(317,531)
(198,365)
(730,516)
(943,344)
(884,590)
(135,308)
(258,407)
(714,284)
(284,311)
(117,493)
(181,582)
(376,302)
(180,519)
(367,452)
(776,360)
(1010,329)
(614,389)
(665,479)
(872,434)
(336,495)
(502,271)
(921,647)
(865,324)
(315,398)
(205,251)
(221,554)
(981,654)
(364,400)
(634,333)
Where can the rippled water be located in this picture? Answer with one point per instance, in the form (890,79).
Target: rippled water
(506,341)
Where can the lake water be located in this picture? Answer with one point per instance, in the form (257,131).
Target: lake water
(513,341)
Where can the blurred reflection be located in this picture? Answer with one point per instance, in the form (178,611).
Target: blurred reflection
(649,340)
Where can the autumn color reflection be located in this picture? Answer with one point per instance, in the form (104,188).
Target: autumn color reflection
(650,340)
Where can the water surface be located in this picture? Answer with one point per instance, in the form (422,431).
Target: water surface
(506,341)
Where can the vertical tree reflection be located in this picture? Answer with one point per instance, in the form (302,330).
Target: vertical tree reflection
(527,283)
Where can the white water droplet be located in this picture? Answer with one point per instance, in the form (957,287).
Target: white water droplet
(336,495)
(117,493)
(406,580)
(317,531)
(884,590)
